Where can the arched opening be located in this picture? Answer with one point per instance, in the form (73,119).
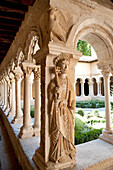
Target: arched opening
(94,87)
(111,85)
(98,38)
(78,87)
(86,87)
(102,86)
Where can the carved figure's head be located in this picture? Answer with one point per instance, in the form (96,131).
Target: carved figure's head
(62,63)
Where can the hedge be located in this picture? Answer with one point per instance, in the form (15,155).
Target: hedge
(87,136)
(91,104)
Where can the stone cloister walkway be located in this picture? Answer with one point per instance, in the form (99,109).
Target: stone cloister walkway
(92,155)
(8,160)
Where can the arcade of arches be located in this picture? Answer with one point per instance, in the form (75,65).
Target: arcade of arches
(44,54)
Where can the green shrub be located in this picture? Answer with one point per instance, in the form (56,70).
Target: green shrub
(79,124)
(96,113)
(80,112)
(32,111)
(91,104)
(87,136)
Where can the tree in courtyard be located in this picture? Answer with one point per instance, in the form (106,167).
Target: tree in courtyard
(84,47)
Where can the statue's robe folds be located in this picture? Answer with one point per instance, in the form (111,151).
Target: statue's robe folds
(61,125)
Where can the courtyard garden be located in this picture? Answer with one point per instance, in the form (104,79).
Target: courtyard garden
(89,120)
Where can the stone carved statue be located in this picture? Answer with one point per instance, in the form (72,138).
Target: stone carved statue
(58,26)
(32,46)
(61,106)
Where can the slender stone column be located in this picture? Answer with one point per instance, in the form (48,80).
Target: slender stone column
(107,101)
(91,90)
(99,87)
(18,74)
(36,125)
(2,93)
(5,97)
(31,83)
(26,130)
(82,87)
(8,84)
(12,95)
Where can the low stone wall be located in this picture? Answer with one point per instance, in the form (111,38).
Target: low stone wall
(24,159)
(86,98)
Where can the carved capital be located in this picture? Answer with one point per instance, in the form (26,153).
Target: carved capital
(28,68)
(105,70)
(111,68)
(28,71)
(105,73)
(37,73)
(18,73)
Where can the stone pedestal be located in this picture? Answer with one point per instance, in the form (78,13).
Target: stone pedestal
(48,71)
(18,117)
(27,130)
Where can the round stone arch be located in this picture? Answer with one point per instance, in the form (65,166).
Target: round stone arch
(32,43)
(96,33)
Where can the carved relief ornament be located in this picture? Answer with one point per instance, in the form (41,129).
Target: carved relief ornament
(37,73)
(87,3)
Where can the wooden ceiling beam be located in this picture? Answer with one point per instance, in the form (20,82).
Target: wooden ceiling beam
(11,10)
(15,7)
(2,40)
(9,25)
(24,2)
(6,32)
(4,48)
(3,51)
(9,28)
(9,22)
(6,35)
(13,15)
(8,17)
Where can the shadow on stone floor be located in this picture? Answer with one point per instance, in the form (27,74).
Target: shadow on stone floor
(8,160)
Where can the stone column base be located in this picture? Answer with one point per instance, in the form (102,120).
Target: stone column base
(12,113)
(38,159)
(36,131)
(7,110)
(17,120)
(26,132)
(107,136)
(3,108)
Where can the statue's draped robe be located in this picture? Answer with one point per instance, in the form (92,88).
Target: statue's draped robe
(61,125)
